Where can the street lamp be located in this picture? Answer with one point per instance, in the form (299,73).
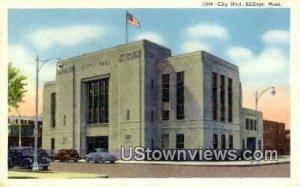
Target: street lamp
(257,96)
(35,166)
(20,129)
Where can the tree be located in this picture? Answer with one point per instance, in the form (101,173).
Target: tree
(16,87)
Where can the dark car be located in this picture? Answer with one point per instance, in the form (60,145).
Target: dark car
(23,157)
(65,155)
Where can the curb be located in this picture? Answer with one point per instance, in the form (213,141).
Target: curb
(203,164)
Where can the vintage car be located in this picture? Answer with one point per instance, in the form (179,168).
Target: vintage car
(65,155)
(100,155)
(23,157)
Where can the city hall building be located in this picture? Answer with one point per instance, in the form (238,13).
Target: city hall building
(138,94)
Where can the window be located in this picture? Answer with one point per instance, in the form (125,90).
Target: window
(229,93)
(128,115)
(152,83)
(98,99)
(53,109)
(223,142)
(165,115)
(247,124)
(165,141)
(180,141)
(166,88)
(180,95)
(152,115)
(243,144)
(222,98)
(230,142)
(215,141)
(52,144)
(214,96)
(128,139)
(65,120)
(251,124)
(254,125)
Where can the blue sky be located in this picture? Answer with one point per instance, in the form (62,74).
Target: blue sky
(257,40)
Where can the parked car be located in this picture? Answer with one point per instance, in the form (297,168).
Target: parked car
(23,157)
(100,155)
(65,155)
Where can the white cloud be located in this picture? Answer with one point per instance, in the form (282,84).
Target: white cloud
(192,45)
(238,53)
(46,38)
(268,66)
(24,60)
(208,31)
(207,36)
(276,37)
(152,36)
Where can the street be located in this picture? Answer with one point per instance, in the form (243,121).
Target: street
(131,170)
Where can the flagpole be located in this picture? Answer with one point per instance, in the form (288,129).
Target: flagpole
(126,30)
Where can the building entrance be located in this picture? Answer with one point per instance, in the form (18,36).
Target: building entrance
(251,142)
(96,142)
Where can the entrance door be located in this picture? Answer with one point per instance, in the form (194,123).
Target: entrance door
(94,142)
(251,142)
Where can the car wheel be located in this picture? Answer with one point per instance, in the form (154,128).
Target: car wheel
(87,160)
(75,160)
(53,159)
(112,161)
(26,164)
(45,167)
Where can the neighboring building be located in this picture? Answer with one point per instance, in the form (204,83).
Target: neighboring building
(250,128)
(137,94)
(287,142)
(276,137)
(26,126)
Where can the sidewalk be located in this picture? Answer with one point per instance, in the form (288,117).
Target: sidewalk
(281,160)
(28,174)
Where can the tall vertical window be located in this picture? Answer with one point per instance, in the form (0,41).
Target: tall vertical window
(52,144)
(254,128)
(166,88)
(152,115)
(180,95)
(98,101)
(179,141)
(229,93)
(222,97)
(165,141)
(215,141)
(53,109)
(247,124)
(165,115)
(214,96)
(223,141)
(230,142)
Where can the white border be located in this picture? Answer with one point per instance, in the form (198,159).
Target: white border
(294,180)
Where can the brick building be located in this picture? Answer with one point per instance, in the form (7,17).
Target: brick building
(26,126)
(276,137)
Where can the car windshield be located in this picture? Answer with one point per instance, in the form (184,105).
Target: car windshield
(101,150)
(41,151)
(27,151)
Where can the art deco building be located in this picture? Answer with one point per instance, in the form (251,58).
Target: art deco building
(138,94)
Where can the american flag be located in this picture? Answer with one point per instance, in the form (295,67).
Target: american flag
(132,20)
